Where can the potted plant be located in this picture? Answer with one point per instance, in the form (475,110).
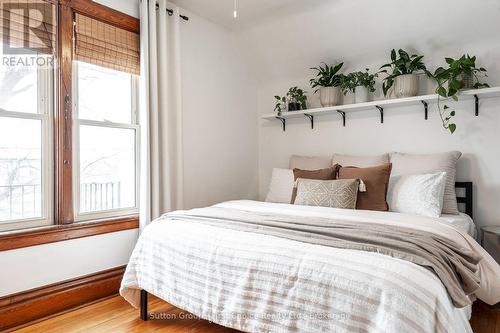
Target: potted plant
(360,84)
(329,81)
(296,99)
(404,73)
(460,74)
(280,105)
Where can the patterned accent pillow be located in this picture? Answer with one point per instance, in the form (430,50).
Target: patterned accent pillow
(321,174)
(327,193)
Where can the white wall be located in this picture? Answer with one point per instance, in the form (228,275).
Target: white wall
(219,114)
(362,33)
(130,7)
(36,266)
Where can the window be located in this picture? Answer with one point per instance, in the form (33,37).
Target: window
(25,140)
(105,141)
(69,135)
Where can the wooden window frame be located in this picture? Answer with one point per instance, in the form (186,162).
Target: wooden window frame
(64,227)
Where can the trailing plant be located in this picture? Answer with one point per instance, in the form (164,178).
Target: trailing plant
(358,79)
(450,80)
(401,64)
(280,105)
(327,76)
(297,95)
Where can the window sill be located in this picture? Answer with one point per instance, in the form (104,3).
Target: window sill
(56,233)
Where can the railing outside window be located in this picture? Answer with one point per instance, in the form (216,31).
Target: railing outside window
(99,196)
(23,201)
(19,201)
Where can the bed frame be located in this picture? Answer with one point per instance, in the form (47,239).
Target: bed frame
(465,200)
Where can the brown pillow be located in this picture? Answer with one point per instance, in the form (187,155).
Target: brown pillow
(376,180)
(321,174)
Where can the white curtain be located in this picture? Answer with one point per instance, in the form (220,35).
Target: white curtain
(161,182)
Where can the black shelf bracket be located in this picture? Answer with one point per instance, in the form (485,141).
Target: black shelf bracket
(476,105)
(311,118)
(343,116)
(426,109)
(283,121)
(381,109)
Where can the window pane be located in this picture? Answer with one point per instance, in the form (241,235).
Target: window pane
(20,169)
(107,168)
(18,85)
(104,94)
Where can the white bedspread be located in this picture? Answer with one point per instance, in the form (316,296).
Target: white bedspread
(259,283)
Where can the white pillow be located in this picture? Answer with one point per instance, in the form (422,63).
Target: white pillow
(417,194)
(281,186)
(409,164)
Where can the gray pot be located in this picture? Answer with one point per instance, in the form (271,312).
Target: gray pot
(467,81)
(361,94)
(406,85)
(330,96)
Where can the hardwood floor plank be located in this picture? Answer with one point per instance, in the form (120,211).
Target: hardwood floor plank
(116,315)
(127,322)
(86,316)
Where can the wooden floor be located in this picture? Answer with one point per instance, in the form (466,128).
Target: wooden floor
(116,315)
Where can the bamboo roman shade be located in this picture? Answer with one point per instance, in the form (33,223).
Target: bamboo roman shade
(105,45)
(28,25)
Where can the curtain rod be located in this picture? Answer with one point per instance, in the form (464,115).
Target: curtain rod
(171,12)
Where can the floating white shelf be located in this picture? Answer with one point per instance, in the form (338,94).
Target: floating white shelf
(381,105)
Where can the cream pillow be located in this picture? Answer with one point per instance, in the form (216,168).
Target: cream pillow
(360,161)
(310,162)
(417,194)
(407,164)
(281,186)
(327,193)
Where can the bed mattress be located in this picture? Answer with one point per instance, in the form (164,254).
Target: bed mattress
(259,283)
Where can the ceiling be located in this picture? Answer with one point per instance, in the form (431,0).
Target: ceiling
(249,11)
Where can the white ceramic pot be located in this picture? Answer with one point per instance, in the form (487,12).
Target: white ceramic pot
(330,96)
(361,94)
(406,85)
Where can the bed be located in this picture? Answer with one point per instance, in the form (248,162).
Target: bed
(255,282)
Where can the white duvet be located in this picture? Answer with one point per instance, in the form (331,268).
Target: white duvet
(259,283)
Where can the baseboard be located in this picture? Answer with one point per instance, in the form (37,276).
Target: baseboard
(34,305)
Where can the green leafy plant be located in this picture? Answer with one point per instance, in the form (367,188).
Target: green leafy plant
(280,105)
(358,79)
(451,79)
(297,95)
(327,76)
(401,64)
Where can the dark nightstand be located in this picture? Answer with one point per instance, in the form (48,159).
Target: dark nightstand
(490,240)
